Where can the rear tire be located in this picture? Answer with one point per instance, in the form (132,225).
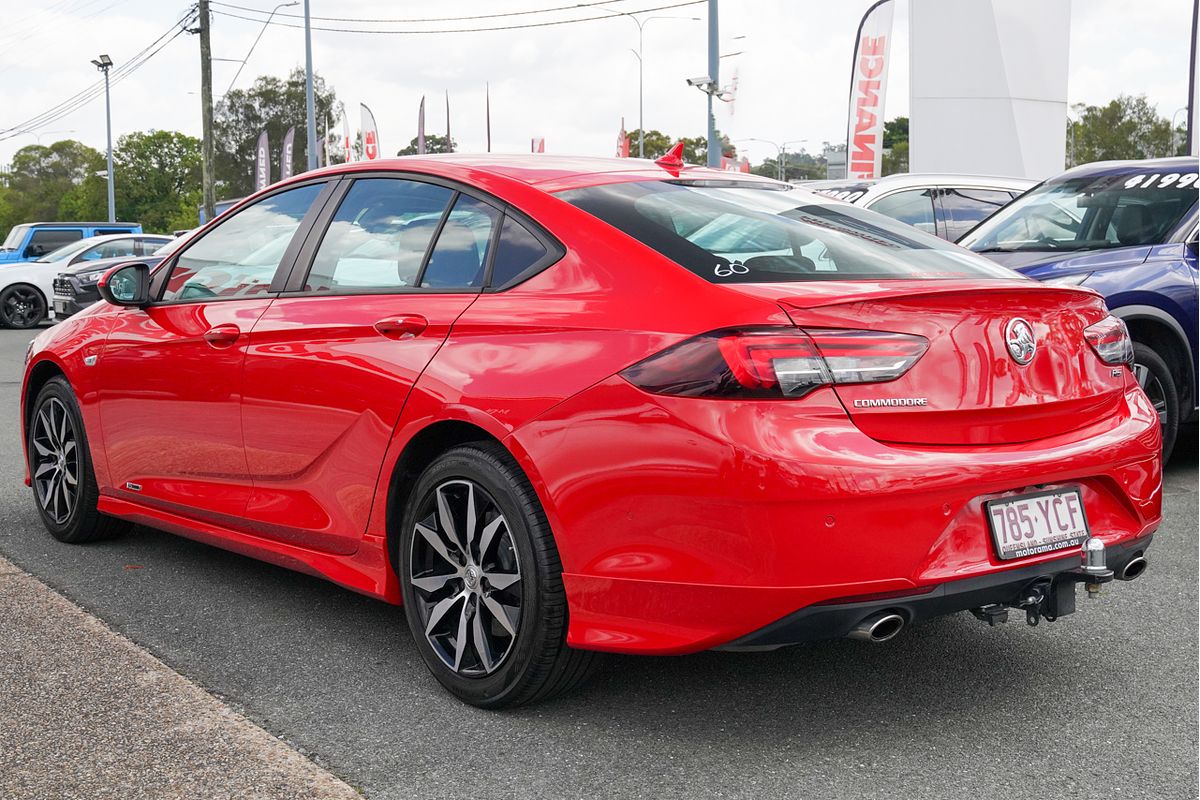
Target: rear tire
(1154,376)
(475,546)
(60,467)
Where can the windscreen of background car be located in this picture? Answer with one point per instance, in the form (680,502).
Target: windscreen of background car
(1089,213)
(730,233)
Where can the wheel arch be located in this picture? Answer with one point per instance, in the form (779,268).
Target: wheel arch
(39,375)
(1162,333)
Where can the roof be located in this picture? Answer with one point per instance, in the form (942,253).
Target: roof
(548,172)
(73,224)
(925,179)
(1132,166)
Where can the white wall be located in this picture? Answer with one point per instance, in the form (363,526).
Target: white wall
(989,86)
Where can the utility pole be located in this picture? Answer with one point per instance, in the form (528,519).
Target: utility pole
(104,64)
(714,65)
(310,110)
(206,114)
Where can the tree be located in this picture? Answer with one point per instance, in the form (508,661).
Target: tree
(895,146)
(272,104)
(158,179)
(895,131)
(798,166)
(433,144)
(695,149)
(43,178)
(1128,127)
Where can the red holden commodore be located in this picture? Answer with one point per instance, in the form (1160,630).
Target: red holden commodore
(555,406)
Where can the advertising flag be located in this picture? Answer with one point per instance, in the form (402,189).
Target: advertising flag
(449,144)
(421,128)
(347,150)
(370,134)
(285,154)
(537,144)
(488,112)
(622,141)
(868,86)
(262,163)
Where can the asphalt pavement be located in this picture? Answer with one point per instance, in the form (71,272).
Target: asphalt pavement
(1101,703)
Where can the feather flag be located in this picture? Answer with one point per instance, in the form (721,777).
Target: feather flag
(370,134)
(262,163)
(285,154)
(449,141)
(421,128)
(488,110)
(622,141)
(347,150)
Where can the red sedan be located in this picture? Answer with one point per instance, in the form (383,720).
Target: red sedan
(558,406)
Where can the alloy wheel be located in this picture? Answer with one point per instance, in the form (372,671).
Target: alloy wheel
(466,574)
(56,456)
(1153,389)
(22,307)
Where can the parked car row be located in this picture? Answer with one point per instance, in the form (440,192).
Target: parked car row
(555,406)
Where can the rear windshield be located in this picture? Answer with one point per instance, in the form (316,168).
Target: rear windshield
(730,233)
(1089,213)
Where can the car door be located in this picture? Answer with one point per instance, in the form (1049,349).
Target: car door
(330,364)
(169,373)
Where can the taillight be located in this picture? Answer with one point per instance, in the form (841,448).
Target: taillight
(1110,339)
(775,362)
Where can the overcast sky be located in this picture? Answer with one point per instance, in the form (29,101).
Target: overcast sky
(569,83)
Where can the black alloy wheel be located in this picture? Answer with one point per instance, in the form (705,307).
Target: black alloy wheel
(21,306)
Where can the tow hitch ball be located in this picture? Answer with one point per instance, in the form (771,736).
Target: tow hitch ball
(1050,598)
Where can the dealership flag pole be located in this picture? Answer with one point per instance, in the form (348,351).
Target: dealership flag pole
(262,163)
(868,86)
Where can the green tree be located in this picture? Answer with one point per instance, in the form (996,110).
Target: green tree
(270,103)
(433,144)
(895,131)
(695,149)
(43,177)
(158,179)
(1128,127)
(895,146)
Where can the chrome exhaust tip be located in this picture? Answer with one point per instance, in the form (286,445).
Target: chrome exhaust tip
(1136,566)
(878,628)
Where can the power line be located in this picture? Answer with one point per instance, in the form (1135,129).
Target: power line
(572,7)
(462,30)
(93,91)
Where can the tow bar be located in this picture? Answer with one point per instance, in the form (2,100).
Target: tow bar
(1050,598)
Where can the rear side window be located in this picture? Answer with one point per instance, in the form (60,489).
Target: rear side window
(460,254)
(966,207)
(913,207)
(734,233)
(379,237)
(517,251)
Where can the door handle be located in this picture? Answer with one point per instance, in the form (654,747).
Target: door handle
(222,335)
(404,327)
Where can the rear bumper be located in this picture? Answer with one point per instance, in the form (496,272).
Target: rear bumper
(836,620)
(686,525)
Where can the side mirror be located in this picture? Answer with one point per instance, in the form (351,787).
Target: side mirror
(34,251)
(126,285)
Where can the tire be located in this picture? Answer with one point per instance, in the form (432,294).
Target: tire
(480,658)
(21,306)
(56,427)
(1154,376)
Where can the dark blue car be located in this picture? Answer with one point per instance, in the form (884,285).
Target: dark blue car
(1128,230)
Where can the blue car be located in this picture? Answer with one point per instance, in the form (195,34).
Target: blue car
(1128,230)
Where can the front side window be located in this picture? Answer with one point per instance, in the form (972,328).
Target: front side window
(379,237)
(239,257)
(44,241)
(731,233)
(912,207)
(1090,213)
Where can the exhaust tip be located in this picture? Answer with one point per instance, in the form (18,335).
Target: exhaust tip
(878,628)
(1136,566)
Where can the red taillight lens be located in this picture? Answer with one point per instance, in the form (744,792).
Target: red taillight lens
(775,362)
(1110,339)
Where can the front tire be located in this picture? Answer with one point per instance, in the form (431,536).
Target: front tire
(1154,376)
(21,306)
(482,582)
(60,468)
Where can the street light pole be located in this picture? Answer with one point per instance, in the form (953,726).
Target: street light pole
(714,65)
(310,110)
(104,64)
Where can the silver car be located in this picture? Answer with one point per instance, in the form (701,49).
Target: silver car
(945,205)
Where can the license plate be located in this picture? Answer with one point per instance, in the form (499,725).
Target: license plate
(1039,522)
